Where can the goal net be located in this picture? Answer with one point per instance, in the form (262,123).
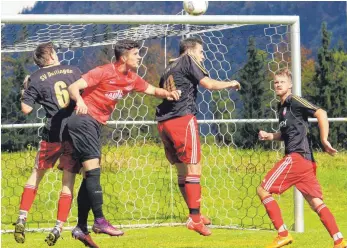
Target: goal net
(140,186)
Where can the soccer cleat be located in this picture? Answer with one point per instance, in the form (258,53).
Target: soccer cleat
(103,226)
(198,227)
(280,241)
(19,231)
(84,237)
(343,244)
(52,237)
(205,220)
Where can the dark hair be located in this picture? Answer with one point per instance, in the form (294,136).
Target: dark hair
(285,72)
(189,43)
(123,46)
(42,53)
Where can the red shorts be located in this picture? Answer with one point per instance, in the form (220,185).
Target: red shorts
(49,153)
(181,139)
(291,170)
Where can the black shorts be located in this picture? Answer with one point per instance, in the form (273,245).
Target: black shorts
(85,134)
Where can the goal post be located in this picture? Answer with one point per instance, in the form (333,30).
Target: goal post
(296,72)
(229,183)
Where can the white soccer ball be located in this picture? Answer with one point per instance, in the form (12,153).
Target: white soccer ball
(195,7)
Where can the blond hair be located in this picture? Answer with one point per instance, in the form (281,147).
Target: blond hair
(284,72)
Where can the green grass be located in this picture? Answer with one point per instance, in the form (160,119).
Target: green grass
(137,184)
(180,237)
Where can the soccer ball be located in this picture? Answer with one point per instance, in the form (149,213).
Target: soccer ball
(196,7)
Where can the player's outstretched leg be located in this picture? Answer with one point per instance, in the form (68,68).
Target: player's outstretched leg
(274,212)
(328,220)
(28,197)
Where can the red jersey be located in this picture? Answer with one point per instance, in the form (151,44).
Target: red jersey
(106,85)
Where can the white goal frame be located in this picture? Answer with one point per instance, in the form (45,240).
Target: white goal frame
(293,21)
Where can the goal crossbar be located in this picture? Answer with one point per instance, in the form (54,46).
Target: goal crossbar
(149,19)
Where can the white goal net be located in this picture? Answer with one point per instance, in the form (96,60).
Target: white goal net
(140,187)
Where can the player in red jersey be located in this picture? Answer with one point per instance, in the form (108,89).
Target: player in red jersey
(103,87)
(48,87)
(178,126)
(298,166)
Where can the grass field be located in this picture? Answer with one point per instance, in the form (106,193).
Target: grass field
(137,191)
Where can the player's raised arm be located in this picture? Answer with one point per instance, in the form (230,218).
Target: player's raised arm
(74,92)
(212,84)
(197,70)
(162,93)
(323,124)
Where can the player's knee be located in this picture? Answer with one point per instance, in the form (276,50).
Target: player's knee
(36,177)
(93,173)
(68,179)
(67,191)
(194,169)
(93,179)
(39,173)
(314,203)
(91,164)
(67,188)
(93,186)
(261,192)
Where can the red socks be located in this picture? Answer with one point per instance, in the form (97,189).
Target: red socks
(329,222)
(274,212)
(28,197)
(64,206)
(181,184)
(193,192)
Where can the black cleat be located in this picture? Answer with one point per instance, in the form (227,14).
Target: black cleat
(19,231)
(52,237)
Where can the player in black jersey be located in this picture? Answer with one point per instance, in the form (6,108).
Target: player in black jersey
(298,166)
(178,126)
(48,87)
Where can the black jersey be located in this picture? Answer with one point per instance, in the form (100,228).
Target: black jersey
(294,126)
(48,87)
(184,73)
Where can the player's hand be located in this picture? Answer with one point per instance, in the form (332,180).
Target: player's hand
(174,95)
(262,135)
(235,85)
(81,107)
(328,148)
